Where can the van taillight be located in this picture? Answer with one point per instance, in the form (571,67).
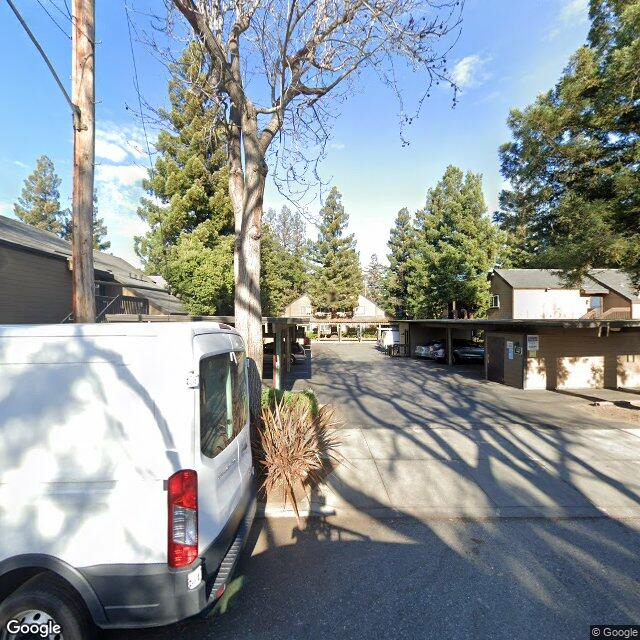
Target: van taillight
(182,488)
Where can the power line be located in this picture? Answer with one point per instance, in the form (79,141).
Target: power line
(74,109)
(53,19)
(67,14)
(137,85)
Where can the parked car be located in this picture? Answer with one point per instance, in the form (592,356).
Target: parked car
(438,350)
(426,350)
(469,352)
(126,479)
(421,351)
(298,354)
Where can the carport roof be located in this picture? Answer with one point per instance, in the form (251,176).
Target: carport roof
(481,323)
(131,317)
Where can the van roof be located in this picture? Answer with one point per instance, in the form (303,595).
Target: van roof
(112,329)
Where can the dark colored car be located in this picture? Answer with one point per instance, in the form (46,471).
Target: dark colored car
(468,352)
(298,354)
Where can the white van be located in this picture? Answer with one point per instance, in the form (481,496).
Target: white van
(388,337)
(126,479)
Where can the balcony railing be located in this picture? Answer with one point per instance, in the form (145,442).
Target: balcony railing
(117,306)
(120,305)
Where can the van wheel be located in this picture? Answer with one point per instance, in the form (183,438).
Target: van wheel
(45,601)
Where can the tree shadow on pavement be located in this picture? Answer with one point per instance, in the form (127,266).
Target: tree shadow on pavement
(392,569)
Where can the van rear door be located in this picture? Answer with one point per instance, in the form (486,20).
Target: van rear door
(222,411)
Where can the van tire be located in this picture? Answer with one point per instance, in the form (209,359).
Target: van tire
(45,592)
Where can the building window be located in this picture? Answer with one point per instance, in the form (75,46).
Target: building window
(596,302)
(495,301)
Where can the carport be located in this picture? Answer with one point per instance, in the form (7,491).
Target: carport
(544,354)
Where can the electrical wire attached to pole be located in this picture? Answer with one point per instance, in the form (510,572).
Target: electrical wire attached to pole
(74,108)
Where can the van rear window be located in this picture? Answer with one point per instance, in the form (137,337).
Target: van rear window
(224,401)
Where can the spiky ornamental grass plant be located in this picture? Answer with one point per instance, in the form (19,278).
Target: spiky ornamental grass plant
(296,444)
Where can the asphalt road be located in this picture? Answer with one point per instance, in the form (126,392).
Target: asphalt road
(367,578)
(370,389)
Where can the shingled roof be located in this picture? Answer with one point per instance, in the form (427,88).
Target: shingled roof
(618,281)
(546,279)
(107,266)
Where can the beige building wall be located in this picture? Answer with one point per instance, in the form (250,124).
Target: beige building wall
(549,303)
(635,311)
(579,359)
(298,308)
(33,288)
(501,288)
(369,308)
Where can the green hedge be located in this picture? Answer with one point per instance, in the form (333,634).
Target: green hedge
(271,397)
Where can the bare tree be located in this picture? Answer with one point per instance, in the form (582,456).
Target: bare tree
(277,68)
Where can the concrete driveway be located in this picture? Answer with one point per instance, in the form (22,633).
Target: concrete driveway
(424,439)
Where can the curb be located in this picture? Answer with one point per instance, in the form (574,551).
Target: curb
(480,514)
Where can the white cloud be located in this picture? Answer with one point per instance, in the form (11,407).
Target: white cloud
(6,208)
(572,12)
(117,142)
(109,150)
(119,189)
(470,71)
(22,165)
(120,174)
(337,145)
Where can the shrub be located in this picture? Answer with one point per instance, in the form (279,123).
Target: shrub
(272,397)
(296,441)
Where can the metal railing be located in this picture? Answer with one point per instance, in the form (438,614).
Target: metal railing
(119,305)
(130,305)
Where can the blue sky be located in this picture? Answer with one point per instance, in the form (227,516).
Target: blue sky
(509,52)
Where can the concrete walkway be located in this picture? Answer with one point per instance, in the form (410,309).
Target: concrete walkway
(439,453)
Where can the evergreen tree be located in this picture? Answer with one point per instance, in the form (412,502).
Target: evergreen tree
(288,227)
(456,246)
(337,277)
(374,277)
(100,243)
(401,248)
(283,249)
(190,242)
(39,203)
(573,163)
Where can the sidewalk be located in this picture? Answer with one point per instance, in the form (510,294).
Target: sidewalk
(481,474)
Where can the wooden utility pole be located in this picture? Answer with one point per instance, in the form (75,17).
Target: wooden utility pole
(83,96)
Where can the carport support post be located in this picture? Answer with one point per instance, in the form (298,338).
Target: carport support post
(277,359)
(287,348)
(339,332)
(449,347)
(359,333)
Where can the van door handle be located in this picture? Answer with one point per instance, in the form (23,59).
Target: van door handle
(226,469)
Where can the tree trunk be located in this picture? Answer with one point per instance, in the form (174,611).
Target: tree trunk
(248,308)
(236,183)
